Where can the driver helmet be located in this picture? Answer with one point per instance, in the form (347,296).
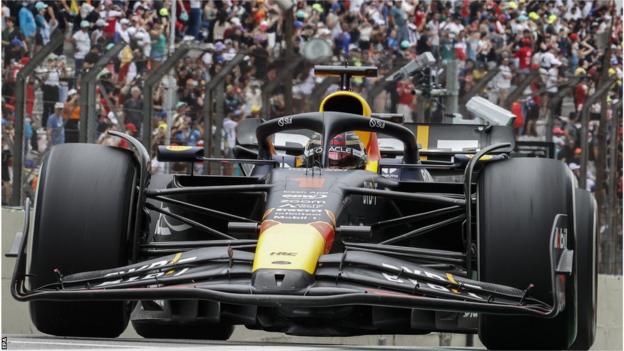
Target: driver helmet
(346,151)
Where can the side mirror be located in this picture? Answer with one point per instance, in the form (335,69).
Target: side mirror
(293,148)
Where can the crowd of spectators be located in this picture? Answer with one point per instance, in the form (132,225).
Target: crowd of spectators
(559,38)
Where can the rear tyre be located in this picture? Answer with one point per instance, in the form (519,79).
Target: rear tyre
(518,200)
(586,263)
(82,219)
(199,330)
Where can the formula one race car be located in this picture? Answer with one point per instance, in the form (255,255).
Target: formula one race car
(341,223)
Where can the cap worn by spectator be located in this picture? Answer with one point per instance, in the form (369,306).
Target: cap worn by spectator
(124,21)
(59,105)
(181,104)
(71,92)
(573,166)
(40,6)
(85,24)
(534,16)
(100,23)
(552,19)
(130,127)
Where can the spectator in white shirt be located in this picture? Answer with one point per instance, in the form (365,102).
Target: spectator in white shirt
(82,45)
(453,27)
(122,31)
(503,80)
(549,71)
(98,32)
(50,88)
(143,40)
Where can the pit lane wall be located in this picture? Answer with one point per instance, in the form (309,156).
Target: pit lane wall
(16,319)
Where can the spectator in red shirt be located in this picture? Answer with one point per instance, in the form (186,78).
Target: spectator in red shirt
(419,19)
(524,56)
(580,93)
(406,100)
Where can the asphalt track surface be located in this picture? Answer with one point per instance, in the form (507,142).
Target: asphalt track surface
(29,342)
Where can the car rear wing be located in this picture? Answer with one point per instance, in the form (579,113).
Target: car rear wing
(345,73)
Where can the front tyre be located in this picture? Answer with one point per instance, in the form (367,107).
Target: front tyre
(586,264)
(518,200)
(82,220)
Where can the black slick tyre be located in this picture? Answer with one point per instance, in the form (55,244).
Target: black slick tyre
(518,200)
(586,263)
(82,219)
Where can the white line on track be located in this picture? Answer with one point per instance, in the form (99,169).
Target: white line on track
(68,344)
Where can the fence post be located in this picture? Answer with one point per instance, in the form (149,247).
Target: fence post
(20,99)
(452,86)
(615,217)
(288,33)
(219,96)
(88,94)
(208,109)
(207,113)
(585,129)
(148,92)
